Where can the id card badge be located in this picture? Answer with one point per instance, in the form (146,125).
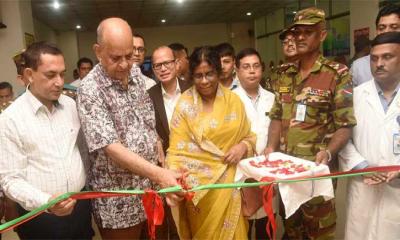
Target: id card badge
(301,113)
(396,143)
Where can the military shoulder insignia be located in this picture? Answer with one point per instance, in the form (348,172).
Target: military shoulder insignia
(284,89)
(338,67)
(283,67)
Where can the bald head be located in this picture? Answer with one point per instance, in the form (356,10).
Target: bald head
(113,28)
(114,47)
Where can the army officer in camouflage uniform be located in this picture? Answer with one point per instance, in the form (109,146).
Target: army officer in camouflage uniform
(312,118)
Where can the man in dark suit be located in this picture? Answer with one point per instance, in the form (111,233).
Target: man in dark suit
(165,94)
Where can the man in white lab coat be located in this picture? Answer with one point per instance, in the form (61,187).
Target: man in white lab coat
(258,102)
(373,204)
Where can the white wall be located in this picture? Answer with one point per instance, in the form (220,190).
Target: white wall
(11,40)
(362,15)
(26,16)
(85,44)
(67,42)
(44,32)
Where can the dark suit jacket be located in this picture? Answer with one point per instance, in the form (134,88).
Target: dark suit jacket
(162,127)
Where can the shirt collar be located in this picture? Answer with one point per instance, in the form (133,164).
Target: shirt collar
(257,98)
(36,104)
(380,92)
(107,81)
(177,89)
(235,83)
(315,68)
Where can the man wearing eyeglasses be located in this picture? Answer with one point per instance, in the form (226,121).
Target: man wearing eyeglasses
(290,53)
(258,102)
(165,95)
(312,118)
(138,58)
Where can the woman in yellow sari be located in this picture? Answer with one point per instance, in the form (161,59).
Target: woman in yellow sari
(210,134)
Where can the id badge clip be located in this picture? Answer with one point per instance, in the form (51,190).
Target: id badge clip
(301,112)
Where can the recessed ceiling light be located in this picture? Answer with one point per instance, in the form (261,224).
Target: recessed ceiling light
(56,5)
(163,20)
(180,1)
(248,14)
(78,26)
(294,12)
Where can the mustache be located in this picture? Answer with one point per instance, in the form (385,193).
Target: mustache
(380,69)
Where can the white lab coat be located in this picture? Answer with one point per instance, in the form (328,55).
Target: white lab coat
(259,117)
(373,212)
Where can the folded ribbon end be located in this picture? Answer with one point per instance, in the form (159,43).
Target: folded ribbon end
(154,209)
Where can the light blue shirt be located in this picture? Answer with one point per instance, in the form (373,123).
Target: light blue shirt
(385,102)
(361,70)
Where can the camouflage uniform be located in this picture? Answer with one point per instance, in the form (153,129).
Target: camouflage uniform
(327,93)
(273,78)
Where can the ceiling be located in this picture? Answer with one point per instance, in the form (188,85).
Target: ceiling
(148,13)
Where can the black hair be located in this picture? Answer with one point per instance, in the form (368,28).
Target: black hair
(387,10)
(247,52)
(207,54)
(225,49)
(178,47)
(388,37)
(5,85)
(137,35)
(35,50)
(84,60)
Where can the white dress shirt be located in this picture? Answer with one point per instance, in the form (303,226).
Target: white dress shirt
(76,83)
(170,100)
(39,154)
(257,112)
(361,70)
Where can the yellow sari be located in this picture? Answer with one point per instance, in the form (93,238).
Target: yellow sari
(198,142)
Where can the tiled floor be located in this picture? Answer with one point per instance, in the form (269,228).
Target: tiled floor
(340,206)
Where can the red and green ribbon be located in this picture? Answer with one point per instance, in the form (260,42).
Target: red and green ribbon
(154,207)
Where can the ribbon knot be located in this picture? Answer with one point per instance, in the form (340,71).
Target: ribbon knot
(182,181)
(153,207)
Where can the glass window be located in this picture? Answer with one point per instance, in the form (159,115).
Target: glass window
(324,5)
(340,6)
(290,11)
(275,21)
(307,3)
(337,42)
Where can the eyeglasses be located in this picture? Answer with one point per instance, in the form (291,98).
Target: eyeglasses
(288,41)
(167,64)
(248,67)
(209,76)
(139,49)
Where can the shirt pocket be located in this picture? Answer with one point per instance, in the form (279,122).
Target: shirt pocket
(317,109)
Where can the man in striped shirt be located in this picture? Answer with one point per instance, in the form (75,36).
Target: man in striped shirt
(39,153)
